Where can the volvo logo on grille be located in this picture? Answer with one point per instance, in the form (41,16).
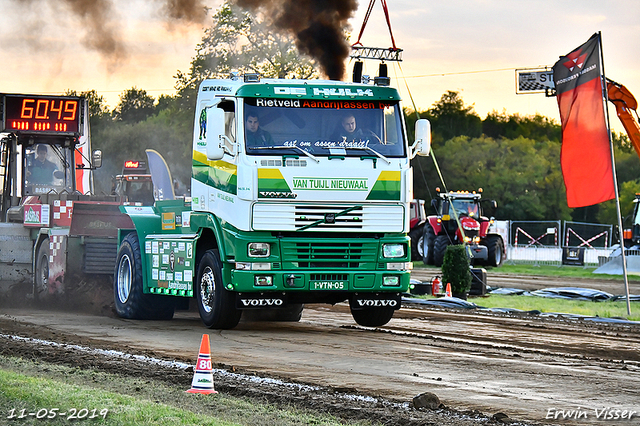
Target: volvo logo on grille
(330,218)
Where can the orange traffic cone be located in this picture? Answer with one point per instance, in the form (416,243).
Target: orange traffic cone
(449,290)
(203,376)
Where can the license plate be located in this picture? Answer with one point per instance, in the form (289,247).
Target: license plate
(328,285)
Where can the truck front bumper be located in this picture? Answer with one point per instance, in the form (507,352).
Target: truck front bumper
(319,281)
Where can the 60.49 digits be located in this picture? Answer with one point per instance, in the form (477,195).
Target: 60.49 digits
(52,413)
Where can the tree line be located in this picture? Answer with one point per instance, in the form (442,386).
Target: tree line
(514,158)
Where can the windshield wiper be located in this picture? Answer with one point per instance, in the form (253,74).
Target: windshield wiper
(313,157)
(366,148)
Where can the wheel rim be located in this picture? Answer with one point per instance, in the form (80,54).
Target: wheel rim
(498,255)
(207,287)
(124,279)
(421,247)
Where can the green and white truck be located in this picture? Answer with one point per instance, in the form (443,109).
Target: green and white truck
(285,208)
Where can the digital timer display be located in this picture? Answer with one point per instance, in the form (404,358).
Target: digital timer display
(41,114)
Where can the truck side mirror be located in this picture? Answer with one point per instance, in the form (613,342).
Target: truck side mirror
(434,204)
(215,133)
(422,145)
(96,159)
(494,204)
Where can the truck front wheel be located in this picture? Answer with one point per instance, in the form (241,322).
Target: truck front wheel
(130,300)
(372,317)
(215,303)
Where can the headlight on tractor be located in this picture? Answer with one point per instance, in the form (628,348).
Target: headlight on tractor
(259,249)
(393,250)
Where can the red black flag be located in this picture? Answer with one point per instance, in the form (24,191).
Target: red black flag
(586,153)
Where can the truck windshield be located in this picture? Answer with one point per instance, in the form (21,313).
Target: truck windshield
(323,128)
(46,169)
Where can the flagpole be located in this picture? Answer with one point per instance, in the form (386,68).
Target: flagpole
(605,97)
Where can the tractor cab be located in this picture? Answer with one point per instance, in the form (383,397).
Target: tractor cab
(134,185)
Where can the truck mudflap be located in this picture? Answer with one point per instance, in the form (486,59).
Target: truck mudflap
(360,301)
(262,300)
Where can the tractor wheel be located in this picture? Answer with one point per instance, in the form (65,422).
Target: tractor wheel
(428,241)
(130,300)
(495,248)
(41,286)
(215,303)
(372,317)
(416,236)
(439,247)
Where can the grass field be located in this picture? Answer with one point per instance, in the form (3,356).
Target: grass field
(98,398)
(546,270)
(607,309)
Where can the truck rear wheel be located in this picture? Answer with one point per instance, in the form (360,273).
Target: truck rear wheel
(41,284)
(215,303)
(372,317)
(130,301)
(495,248)
(427,245)
(439,247)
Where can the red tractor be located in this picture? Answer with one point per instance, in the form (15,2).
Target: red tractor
(442,229)
(417,219)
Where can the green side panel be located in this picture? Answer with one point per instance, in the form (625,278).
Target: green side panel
(171,264)
(385,190)
(273,185)
(216,177)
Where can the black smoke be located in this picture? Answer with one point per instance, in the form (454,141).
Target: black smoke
(318,26)
(100,25)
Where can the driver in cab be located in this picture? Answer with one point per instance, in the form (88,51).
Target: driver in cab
(41,171)
(350,132)
(255,135)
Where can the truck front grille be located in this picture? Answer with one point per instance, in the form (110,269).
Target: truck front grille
(328,254)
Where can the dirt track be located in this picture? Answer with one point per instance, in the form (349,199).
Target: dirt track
(530,368)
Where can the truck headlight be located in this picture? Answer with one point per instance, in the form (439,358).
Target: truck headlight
(393,250)
(259,249)
(391,281)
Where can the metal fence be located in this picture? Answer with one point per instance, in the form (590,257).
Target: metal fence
(539,255)
(542,242)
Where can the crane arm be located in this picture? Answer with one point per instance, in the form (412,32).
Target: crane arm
(625,102)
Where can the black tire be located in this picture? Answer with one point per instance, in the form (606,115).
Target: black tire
(495,248)
(372,317)
(428,241)
(439,247)
(215,303)
(129,299)
(416,235)
(292,313)
(41,275)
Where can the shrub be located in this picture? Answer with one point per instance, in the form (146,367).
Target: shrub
(455,269)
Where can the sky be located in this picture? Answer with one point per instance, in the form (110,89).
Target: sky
(472,47)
